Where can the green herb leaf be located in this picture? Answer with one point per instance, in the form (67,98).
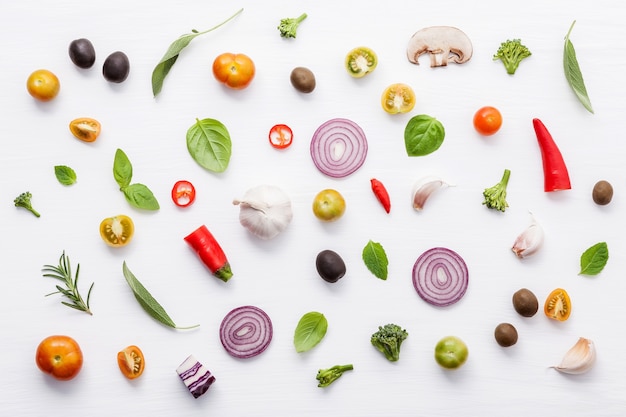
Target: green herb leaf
(65,175)
(140,196)
(209,144)
(375,259)
(122,169)
(147,301)
(63,273)
(423,135)
(310,330)
(594,259)
(171,55)
(572,72)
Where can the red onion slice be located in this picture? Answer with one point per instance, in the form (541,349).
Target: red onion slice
(338,147)
(246,332)
(440,276)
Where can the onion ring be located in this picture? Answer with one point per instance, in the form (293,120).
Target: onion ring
(440,276)
(246,332)
(338,147)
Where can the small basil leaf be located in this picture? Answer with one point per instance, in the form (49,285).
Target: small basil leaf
(140,196)
(65,175)
(572,72)
(375,259)
(209,144)
(310,330)
(423,135)
(594,259)
(122,169)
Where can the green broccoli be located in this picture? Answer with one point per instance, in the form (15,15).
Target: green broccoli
(328,376)
(289,26)
(511,54)
(23,200)
(495,197)
(388,339)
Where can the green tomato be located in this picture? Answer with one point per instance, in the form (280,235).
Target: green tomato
(329,205)
(361,61)
(451,352)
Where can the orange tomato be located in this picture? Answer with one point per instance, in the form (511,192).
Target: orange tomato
(131,362)
(60,357)
(117,231)
(43,85)
(487,120)
(558,305)
(85,129)
(234,70)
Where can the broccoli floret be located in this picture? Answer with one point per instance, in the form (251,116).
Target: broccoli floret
(495,197)
(328,376)
(511,54)
(289,26)
(388,339)
(23,200)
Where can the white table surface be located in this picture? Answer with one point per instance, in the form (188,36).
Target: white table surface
(279,275)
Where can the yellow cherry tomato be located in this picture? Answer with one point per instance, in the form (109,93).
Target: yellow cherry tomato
(85,129)
(43,85)
(117,231)
(398,98)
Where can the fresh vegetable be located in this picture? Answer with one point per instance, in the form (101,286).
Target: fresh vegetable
(505,334)
(24,200)
(379,190)
(602,193)
(451,352)
(495,197)
(183,193)
(398,98)
(558,305)
(525,302)
(196,377)
(572,72)
(246,332)
(280,136)
(360,61)
(375,259)
(424,188)
(555,172)
(85,129)
(64,174)
(440,276)
(265,211)
(63,272)
(594,259)
(310,330)
(338,147)
(511,53)
(423,135)
(60,357)
(443,43)
(330,375)
(579,359)
(330,266)
(235,71)
(329,205)
(210,252)
(529,241)
(148,302)
(388,340)
(171,55)
(43,85)
(137,195)
(302,79)
(288,27)
(487,120)
(117,231)
(209,144)
(116,67)
(82,53)
(131,362)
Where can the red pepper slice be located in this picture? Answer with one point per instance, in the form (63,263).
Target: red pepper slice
(183,193)
(555,172)
(381,194)
(281,136)
(210,252)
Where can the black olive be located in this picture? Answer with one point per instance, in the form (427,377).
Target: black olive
(505,334)
(303,79)
(330,266)
(116,67)
(82,53)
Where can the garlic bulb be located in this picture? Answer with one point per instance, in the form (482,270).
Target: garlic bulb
(579,359)
(423,190)
(529,241)
(265,211)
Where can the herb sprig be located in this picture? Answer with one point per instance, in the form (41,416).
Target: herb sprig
(137,195)
(572,72)
(63,272)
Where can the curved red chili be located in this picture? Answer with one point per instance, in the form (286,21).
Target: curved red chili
(210,252)
(381,194)
(555,172)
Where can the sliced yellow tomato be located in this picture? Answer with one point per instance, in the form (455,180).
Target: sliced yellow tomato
(398,98)
(558,305)
(117,231)
(85,129)
(361,61)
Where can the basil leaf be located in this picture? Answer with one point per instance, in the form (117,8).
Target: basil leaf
(122,169)
(572,72)
(375,259)
(65,175)
(594,259)
(310,330)
(209,144)
(140,196)
(423,135)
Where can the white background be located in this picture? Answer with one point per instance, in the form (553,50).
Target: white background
(279,276)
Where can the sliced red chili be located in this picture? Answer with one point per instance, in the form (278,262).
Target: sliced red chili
(381,194)
(280,136)
(183,193)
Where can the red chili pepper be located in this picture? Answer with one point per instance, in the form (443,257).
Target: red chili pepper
(281,136)
(381,194)
(210,252)
(554,170)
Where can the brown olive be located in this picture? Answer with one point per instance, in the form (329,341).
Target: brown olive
(82,53)
(116,67)
(303,79)
(602,193)
(505,334)
(330,266)
(525,302)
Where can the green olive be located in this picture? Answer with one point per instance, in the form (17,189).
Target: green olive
(303,79)
(525,302)
(602,193)
(505,334)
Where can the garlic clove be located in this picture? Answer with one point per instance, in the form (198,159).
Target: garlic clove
(529,241)
(424,188)
(579,359)
(265,211)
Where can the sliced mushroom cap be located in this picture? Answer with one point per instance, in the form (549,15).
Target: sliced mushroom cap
(444,43)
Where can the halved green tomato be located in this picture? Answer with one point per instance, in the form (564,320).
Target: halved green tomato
(398,98)
(361,61)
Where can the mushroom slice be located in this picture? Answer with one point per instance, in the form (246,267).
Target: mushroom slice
(443,43)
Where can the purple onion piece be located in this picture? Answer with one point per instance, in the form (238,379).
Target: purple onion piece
(440,276)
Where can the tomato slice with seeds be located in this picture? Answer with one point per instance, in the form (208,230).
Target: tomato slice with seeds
(361,61)
(398,98)
(281,136)
(131,362)
(558,305)
(117,231)
(85,129)
(183,193)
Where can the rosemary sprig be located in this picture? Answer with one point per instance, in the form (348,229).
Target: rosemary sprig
(63,273)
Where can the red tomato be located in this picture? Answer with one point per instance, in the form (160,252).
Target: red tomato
(281,136)
(183,193)
(487,120)
(59,356)
(131,362)
(234,70)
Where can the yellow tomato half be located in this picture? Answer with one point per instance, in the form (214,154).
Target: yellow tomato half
(398,98)
(117,231)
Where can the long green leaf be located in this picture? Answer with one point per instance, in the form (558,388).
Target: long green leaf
(310,330)
(572,72)
(122,169)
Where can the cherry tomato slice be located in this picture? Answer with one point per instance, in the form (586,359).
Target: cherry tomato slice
(398,98)
(558,305)
(183,193)
(85,129)
(117,231)
(131,362)
(281,136)
(361,61)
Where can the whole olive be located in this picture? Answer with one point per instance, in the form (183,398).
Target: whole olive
(330,266)
(505,334)
(525,302)
(303,79)
(116,67)
(602,193)
(82,53)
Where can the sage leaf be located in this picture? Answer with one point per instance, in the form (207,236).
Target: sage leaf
(122,169)
(65,175)
(147,301)
(375,259)
(572,72)
(594,259)
(171,55)
(209,144)
(423,135)
(310,330)
(140,196)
